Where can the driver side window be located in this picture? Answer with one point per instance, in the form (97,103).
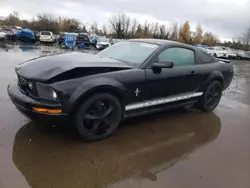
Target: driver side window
(179,56)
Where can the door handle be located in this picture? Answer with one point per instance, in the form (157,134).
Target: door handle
(192,72)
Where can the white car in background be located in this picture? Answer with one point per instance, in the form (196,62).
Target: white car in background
(217,51)
(241,54)
(47,36)
(102,43)
(231,53)
(2,35)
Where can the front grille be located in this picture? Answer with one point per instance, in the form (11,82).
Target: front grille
(23,84)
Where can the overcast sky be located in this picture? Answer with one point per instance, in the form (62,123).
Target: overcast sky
(225,18)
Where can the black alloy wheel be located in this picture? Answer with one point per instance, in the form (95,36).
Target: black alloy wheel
(211,97)
(98,117)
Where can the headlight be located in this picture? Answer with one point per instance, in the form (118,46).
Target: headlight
(30,85)
(46,92)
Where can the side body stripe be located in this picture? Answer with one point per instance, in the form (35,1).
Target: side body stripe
(164,100)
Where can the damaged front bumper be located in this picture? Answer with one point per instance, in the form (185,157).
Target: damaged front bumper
(27,106)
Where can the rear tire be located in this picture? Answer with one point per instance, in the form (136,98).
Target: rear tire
(211,97)
(98,117)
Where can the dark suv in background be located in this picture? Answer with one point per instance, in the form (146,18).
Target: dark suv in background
(82,38)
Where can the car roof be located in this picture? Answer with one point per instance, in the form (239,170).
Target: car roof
(154,41)
(162,42)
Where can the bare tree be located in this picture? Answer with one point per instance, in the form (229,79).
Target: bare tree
(162,29)
(139,32)
(104,30)
(164,32)
(46,22)
(133,28)
(156,30)
(174,32)
(247,37)
(146,29)
(84,30)
(125,24)
(13,19)
(120,25)
(116,26)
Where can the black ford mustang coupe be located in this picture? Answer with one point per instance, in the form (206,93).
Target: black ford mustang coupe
(130,78)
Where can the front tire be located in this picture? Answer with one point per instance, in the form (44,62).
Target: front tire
(97,47)
(211,97)
(98,117)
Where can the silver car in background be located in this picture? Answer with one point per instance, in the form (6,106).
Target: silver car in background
(217,52)
(231,53)
(242,55)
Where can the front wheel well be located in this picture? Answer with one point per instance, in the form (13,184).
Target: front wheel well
(94,91)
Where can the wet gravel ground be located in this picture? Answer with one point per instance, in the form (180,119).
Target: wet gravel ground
(177,149)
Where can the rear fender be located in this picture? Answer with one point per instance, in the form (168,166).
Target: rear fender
(215,75)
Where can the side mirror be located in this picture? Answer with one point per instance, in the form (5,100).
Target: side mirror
(163,64)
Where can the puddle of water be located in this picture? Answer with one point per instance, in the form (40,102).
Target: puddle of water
(48,155)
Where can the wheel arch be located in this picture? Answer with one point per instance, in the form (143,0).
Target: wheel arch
(100,85)
(216,75)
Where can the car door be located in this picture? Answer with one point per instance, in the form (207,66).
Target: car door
(180,80)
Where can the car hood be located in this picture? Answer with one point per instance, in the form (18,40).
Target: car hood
(47,67)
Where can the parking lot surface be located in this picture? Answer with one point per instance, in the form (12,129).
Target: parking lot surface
(178,149)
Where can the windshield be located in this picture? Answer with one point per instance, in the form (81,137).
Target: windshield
(102,39)
(133,53)
(45,33)
(82,36)
(9,30)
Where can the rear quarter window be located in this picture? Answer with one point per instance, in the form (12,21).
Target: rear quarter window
(204,58)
